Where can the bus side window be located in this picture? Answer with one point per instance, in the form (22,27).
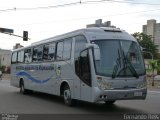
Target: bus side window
(49,52)
(21,56)
(59,55)
(67,49)
(28,55)
(37,53)
(45,52)
(14,58)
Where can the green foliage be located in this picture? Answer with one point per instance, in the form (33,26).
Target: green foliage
(154,66)
(146,42)
(158,67)
(2,68)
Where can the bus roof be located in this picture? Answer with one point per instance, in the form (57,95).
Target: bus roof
(90,30)
(73,33)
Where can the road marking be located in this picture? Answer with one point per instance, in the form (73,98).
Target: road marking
(151,91)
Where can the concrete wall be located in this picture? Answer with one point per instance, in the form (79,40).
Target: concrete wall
(152,28)
(5,57)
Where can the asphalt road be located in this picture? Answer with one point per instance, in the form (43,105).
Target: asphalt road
(12,102)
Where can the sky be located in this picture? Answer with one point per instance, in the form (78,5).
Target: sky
(47,18)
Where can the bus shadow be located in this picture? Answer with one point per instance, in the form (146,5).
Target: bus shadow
(101,108)
(97,108)
(46,97)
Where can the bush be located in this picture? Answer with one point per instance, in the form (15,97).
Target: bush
(7,70)
(2,68)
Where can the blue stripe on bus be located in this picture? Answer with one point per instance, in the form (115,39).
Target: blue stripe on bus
(22,73)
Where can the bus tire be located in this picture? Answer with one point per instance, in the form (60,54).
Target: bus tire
(110,102)
(22,89)
(67,96)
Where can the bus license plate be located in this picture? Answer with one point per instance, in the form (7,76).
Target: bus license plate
(137,93)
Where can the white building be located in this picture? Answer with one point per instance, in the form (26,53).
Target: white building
(5,57)
(18,45)
(153,28)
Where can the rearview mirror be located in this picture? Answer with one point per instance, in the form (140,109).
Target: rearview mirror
(96,51)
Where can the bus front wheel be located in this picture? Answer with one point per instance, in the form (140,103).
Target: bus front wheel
(67,96)
(110,102)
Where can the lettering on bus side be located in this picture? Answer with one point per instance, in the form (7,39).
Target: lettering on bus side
(35,67)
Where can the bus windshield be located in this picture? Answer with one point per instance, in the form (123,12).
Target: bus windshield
(119,58)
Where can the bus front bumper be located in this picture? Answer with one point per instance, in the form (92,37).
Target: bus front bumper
(111,95)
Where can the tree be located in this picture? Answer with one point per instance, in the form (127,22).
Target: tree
(158,67)
(153,67)
(146,42)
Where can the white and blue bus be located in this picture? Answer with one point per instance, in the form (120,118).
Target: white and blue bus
(92,64)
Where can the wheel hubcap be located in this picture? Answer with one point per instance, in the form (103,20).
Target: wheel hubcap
(22,88)
(67,95)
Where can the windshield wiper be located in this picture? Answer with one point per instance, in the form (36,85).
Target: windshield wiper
(118,64)
(129,65)
(126,64)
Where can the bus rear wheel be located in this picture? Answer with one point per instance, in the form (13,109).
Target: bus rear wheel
(22,89)
(67,96)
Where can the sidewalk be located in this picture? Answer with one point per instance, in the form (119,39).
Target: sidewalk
(156,83)
(6,77)
(153,89)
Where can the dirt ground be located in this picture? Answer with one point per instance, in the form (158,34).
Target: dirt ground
(6,77)
(156,83)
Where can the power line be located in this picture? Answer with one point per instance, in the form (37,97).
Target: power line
(48,7)
(120,14)
(42,7)
(78,3)
(140,3)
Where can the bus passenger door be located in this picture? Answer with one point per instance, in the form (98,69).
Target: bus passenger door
(85,75)
(82,69)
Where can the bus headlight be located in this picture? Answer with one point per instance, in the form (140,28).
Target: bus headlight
(103,84)
(142,85)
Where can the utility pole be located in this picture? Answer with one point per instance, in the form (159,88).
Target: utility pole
(6,30)
(10,32)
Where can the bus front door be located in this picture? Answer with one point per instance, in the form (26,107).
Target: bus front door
(85,75)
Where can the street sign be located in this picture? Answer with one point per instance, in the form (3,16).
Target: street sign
(6,30)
